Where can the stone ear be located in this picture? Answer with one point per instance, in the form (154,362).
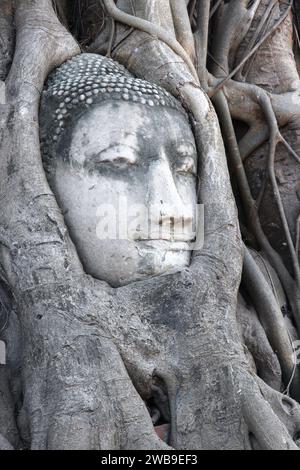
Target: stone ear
(2,353)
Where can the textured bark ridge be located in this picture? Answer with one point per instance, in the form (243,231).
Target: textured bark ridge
(87,363)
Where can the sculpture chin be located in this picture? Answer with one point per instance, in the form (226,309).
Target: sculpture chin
(122,262)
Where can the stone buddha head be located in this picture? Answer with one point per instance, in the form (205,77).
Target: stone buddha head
(120,157)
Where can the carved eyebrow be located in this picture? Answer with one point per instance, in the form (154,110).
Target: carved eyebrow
(114,146)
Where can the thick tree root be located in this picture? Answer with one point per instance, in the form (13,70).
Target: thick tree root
(6,37)
(267,423)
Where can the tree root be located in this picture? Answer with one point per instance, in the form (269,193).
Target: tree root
(10,382)
(254,49)
(4,444)
(92,353)
(286,409)
(290,285)
(275,138)
(232,25)
(6,37)
(183,27)
(201,39)
(272,319)
(266,422)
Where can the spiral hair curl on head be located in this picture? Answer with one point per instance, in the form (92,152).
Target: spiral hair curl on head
(84,81)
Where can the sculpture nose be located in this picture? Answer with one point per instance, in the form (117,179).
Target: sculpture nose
(168,210)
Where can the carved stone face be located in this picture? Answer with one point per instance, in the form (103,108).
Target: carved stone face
(128,190)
